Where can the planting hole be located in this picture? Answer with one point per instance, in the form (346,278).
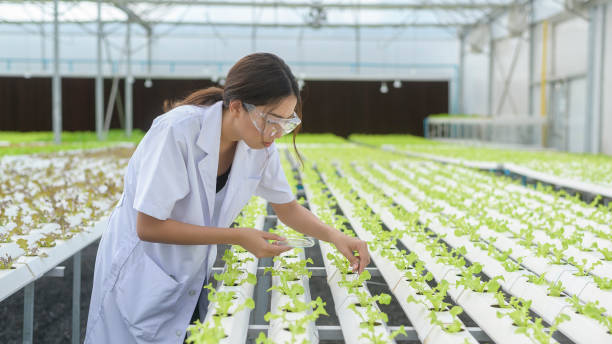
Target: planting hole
(562,295)
(435,310)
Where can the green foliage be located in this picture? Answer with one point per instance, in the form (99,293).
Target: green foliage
(555,289)
(208,333)
(535,279)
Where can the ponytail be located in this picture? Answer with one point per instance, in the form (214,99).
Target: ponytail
(206,96)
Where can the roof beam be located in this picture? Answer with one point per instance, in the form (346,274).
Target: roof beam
(461,5)
(259,24)
(132,17)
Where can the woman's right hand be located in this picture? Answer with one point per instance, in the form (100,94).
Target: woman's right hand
(256,242)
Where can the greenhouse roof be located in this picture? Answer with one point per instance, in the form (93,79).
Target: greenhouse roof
(286,14)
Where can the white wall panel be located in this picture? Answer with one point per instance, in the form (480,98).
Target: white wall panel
(475,84)
(570,47)
(576,116)
(516,100)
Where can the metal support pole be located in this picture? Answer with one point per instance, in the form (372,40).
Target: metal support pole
(531,70)
(594,77)
(150,52)
(28,314)
(461,73)
(357,49)
(129,81)
(99,79)
(56,87)
(491,75)
(543,83)
(533,134)
(76,298)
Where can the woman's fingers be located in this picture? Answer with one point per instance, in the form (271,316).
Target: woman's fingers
(354,261)
(347,246)
(364,256)
(275,250)
(272,236)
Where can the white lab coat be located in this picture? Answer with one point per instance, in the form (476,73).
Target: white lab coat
(145,292)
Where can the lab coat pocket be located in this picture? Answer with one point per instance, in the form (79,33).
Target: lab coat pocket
(146,296)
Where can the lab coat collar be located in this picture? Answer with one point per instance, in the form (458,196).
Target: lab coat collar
(210,133)
(208,140)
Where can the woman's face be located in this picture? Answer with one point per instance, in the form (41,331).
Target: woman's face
(249,132)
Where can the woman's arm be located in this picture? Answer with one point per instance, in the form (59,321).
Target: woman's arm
(170,231)
(302,220)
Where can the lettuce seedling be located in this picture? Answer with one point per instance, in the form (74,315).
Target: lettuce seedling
(287,288)
(5,237)
(607,254)
(298,326)
(48,240)
(535,279)
(231,277)
(6,262)
(224,301)
(604,283)
(544,335)
(208,333)
(519,314)
(263,339)
(351,285)
(555,289)
(511,265)
(452,327)
(29,251)
(501,300)
(582,268)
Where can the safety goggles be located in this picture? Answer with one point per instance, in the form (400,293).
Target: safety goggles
(272,125)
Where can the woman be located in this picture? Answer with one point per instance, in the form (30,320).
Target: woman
(190,176)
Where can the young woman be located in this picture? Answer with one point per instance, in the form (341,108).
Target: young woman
(190,176)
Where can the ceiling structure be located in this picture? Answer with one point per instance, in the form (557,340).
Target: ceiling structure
(371,14)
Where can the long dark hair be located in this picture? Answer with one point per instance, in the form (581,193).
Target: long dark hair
(258,79)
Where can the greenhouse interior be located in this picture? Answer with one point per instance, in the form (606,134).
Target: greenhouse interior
(386,171)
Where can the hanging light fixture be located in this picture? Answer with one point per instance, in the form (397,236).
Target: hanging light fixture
(397,84)
(148,83)
(383,87)
(316,16)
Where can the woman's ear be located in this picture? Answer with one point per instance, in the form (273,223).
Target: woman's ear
(235,106)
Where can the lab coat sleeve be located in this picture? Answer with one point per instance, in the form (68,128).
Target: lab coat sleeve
(273,186)
(162,175)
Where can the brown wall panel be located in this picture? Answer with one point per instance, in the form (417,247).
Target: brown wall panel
(339,107)
(345,107)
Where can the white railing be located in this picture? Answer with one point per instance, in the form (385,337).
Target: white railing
(513,130)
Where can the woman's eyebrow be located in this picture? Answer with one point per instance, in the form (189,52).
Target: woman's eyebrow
(279,116)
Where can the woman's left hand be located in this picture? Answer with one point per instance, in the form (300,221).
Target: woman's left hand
(347,245)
